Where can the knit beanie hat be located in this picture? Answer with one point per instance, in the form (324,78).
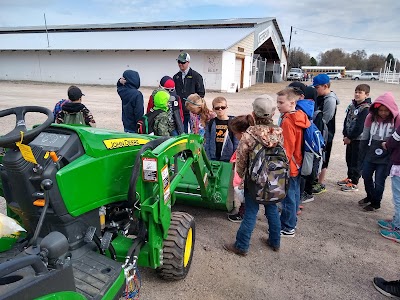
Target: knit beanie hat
(161,99)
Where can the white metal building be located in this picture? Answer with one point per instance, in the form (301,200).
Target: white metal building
(223,51)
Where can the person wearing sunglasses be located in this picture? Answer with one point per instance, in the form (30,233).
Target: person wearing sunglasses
(187,82)
(220,143)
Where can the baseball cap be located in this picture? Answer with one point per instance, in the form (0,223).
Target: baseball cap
(320,79)
(74,93)
(264,106)
(183,57)
(299,85)
(167,82)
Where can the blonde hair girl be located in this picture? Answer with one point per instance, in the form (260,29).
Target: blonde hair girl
(200,115)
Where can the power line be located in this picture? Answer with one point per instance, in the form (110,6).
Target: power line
(344,37)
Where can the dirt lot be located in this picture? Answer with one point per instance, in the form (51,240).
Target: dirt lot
(337,249)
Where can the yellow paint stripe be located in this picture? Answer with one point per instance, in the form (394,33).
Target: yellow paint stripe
(177,143)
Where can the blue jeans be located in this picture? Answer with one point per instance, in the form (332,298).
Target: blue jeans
(186,122)
(396,200)
(129,131)
(243,235)
(174,133)
(290,204)
(374,184)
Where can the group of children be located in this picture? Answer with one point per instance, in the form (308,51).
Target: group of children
(372,151)
(369,133)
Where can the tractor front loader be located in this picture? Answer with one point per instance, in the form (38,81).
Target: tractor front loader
(96,205)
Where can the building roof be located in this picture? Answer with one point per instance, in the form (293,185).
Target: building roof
(222,23)
(182,39)
(217,34)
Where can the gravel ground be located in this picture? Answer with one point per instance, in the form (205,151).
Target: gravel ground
(337,249)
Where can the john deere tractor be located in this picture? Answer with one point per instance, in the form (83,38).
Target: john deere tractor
(96,204)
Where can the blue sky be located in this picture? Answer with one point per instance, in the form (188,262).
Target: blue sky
(362,19)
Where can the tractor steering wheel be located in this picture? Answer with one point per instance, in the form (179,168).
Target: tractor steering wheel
(8,140)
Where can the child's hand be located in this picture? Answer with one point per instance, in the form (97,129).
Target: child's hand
(122,80)
(346,140)
(384,145)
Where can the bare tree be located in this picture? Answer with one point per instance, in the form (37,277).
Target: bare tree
(375,62)
(356,60)
(298,57)
(334,57)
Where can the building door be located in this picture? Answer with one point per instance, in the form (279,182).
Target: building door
(239,66)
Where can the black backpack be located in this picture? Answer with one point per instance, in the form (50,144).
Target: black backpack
(145,125)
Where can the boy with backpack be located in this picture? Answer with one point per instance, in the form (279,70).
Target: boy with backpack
(262,162)
(220,143)
(74,112)
(156,121)
(324,119)
(60,104)
(313,144)
(353,127)
(175,108)
(293,123)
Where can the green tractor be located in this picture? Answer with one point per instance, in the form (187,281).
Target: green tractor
(96,205)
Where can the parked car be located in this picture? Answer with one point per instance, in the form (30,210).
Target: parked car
(366,76)
(334,75)
(295,74)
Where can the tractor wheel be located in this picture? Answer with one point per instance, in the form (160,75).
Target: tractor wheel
(178,247)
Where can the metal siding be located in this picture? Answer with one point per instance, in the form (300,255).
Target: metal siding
(95,67)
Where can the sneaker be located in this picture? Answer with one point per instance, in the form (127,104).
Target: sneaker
(288,232)
(318,189)
(349,187)
(232,248)
(235,218)
(307,198)
(343,182)
(388,288)
(364,201)
(393,235)
(370,207)
(386,224)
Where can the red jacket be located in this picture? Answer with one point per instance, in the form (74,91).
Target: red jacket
(292,125)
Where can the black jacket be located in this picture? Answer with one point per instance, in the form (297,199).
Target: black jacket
(356,114)
(132,100)
(193,84)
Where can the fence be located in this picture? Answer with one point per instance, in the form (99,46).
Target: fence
(261,68)
(389,76)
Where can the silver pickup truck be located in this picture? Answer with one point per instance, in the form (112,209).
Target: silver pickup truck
(295,74)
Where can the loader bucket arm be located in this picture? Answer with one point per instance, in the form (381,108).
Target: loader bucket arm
(163,177)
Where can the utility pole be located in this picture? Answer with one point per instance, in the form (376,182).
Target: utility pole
(290,40)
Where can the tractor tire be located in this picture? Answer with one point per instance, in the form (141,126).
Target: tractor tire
(178,247)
